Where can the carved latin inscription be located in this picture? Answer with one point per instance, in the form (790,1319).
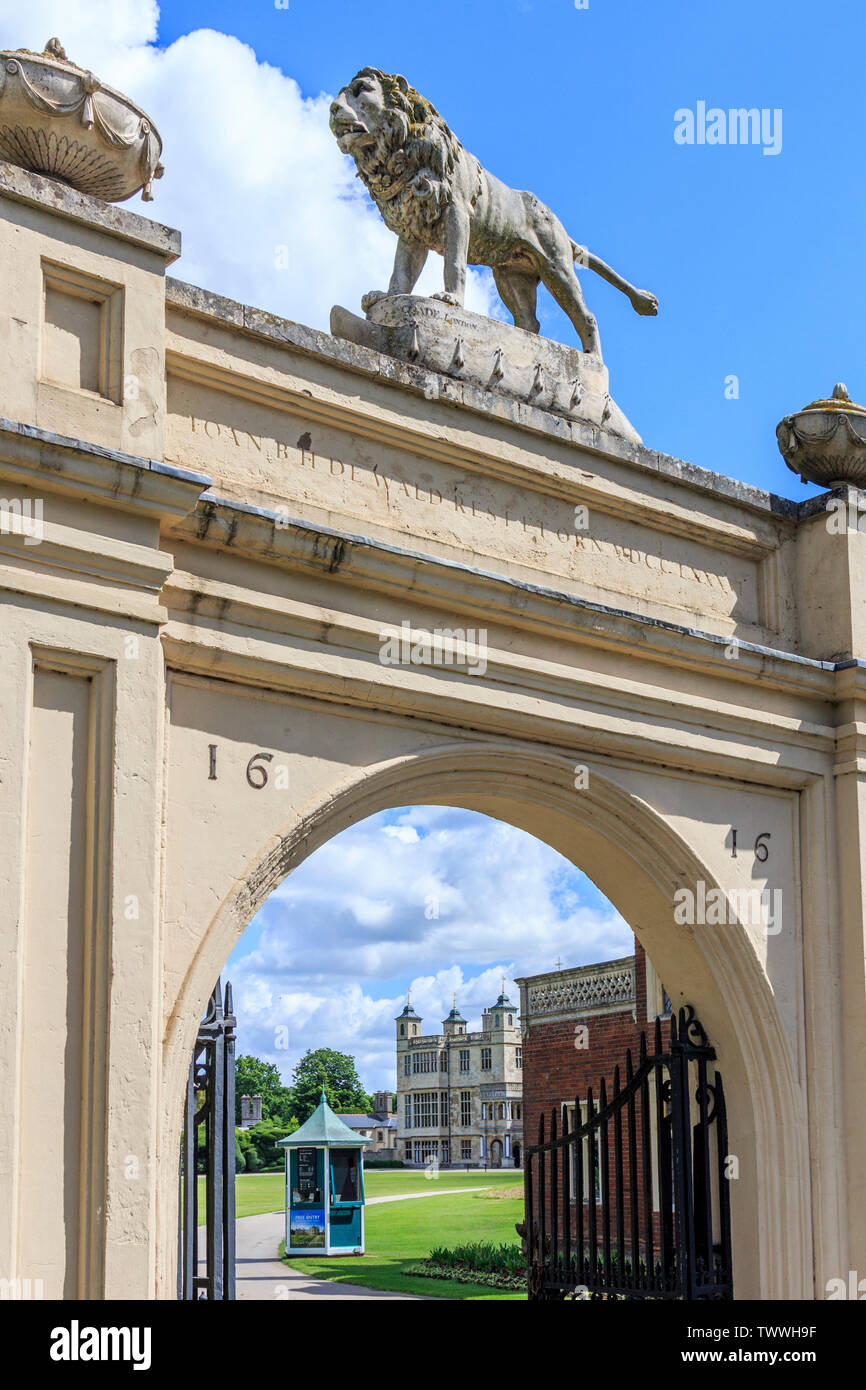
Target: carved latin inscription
(394,491)
(375,489)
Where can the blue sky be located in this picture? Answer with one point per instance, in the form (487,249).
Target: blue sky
(758,261)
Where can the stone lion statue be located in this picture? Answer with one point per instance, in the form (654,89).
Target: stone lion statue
(438,197)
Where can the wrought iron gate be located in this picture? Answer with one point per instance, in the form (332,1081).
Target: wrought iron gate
(211,1077)
(629,1198)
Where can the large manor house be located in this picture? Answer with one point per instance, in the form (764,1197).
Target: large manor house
(460,1094)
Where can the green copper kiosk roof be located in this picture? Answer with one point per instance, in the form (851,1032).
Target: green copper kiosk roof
(323,1129)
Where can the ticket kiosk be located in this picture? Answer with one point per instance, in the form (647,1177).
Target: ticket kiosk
(324,1186)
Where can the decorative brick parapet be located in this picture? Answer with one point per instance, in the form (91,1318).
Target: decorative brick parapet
(587,989)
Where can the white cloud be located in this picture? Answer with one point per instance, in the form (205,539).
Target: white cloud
(407,833)
(271,212)
(457,887)
(93,32)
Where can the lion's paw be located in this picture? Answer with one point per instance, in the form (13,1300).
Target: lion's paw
(370,298)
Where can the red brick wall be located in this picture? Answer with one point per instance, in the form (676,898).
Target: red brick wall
(556,1070)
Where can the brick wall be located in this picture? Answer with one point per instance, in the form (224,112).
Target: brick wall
(560,1063)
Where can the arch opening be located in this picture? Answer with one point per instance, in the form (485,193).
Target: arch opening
(637,861)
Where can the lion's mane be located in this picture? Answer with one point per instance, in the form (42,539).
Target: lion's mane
(410,171)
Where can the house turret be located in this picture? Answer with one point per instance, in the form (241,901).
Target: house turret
(502,1014)
(408,1024)
(455,1022)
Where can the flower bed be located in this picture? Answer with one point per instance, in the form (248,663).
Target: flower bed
(497,1266)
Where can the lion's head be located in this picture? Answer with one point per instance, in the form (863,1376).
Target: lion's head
(404,151)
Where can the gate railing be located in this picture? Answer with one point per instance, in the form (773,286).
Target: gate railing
(212,1082)
(631,1199)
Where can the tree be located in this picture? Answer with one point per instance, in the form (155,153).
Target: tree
(337,1073)
(259,1146)
(253,1077)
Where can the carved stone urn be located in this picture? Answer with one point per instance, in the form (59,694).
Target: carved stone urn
(58,119)
(825,442)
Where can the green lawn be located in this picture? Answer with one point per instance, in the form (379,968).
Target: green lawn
(400,1233)
(260,1192)
(385,1182)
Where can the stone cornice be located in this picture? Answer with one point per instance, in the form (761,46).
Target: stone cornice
(514,702)
(257,532)
(35,190)
(88,556)
(51,462)
(851,748)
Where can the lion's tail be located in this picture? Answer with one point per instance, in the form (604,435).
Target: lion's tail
(583,256)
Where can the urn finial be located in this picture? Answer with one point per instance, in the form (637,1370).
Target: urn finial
(59,120)
(825,442)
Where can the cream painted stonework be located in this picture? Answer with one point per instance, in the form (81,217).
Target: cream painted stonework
(211,517)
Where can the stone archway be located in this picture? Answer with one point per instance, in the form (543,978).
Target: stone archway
(215,599)
(636,860)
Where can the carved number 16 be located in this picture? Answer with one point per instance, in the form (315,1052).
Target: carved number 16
(762,849)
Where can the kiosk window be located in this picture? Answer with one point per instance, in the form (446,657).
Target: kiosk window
(344,1166)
